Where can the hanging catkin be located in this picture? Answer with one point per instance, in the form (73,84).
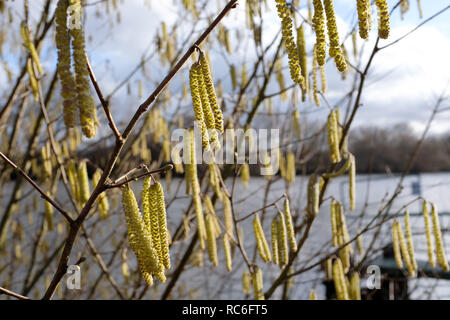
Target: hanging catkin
(333,139)
(282,240)
(274,231)
(84,100)
(209,83)
(257,281)
(396,247)
(83,182)
(288,38)
(263,247)
(430,246)
(351,182)
(301,46)
(383,18)
(211,240)
(66,78)
(158,214)
(319,27)
(246,282)
(315,78)
(409,241)
(363,7)
(313,196)
(290,168)
(48,214)
(197,104)
(440,250)
(227,250)
(140,238)
(289,226)
(28,43)
(245,174)
(404,248)
(333,35)
(355,289)
(312,295)
(339,280)
(103,204)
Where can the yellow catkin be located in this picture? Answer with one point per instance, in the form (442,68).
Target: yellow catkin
(339,280)
(312,295)
(209,83)
(282,240)
(419,7)
(430,246)
(263,247)
(84,100)
(257,281)
(103,204)
(296,126)
(233,76)
(246,282)
(66,78)
(396,247)
(333,35)
(196,188)
(274,231)
(363,7)
(228,217)
(352,183)
(197,105)
(286,31)
(354,45)
(227,250)
(355,289)
(333,140)
(409,241)
(313,196)
(140,238)
(28,43)
(342,170)
(214,180)
(383,18)
(334,230)
(315,78)
(245,174)
(49,214)
(289,226)
(360,244)
(404,248)
(206,107)
(33,81)
(211,241)
(301,47)
(440,250)
(290,168)
(319,27)
(83,182)
(156,197)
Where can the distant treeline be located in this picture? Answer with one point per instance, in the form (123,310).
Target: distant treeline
(377,150)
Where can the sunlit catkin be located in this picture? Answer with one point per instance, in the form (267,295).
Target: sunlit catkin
(315,78)
(140,238)
(28,43)
(103,204)
(227,250)
(440,250)
(257,281)
(296,124)
(197,105)
(333,140)
(351,182)
(286,31)
(282,240)
(83,182)
(211,240)
(404,248)
(246,282)
(334,221)
(355,289)
(208,80)
(363,7)
(290,168)
(339,280)
(430,246)
(84,100)
(396,247)
(245,174)
(274,232)
(156,197)
(263,247)
(409,241)
(313,196)
(319,28)
(383,18)
(66,78)
(48,214)
(333,35)
(289,226)
(301,47)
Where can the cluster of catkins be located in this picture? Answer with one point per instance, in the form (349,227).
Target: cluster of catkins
(403,243)
(208,113)
(365,18)
(74,86)
(147,233)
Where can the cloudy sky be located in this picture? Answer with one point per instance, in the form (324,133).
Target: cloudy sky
(402,86)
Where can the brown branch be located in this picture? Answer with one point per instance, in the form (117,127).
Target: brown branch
(13,294)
